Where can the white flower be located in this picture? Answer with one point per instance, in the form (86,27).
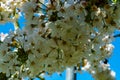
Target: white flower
(3,36)
(86,65)
(54,45)
(109,47)
(112,73)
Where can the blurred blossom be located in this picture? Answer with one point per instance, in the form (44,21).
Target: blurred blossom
(2,36)
(71,33)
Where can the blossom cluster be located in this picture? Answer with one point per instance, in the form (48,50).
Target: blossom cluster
(60,34)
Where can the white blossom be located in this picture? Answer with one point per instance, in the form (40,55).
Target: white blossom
(68,34)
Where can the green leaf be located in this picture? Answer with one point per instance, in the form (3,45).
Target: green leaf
(16,24)
(114,1)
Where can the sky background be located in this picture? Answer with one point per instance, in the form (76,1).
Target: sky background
(114,60)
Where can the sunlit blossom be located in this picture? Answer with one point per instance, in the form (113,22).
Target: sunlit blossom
(65,34)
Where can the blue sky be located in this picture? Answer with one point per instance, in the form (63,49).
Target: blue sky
(114,59)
